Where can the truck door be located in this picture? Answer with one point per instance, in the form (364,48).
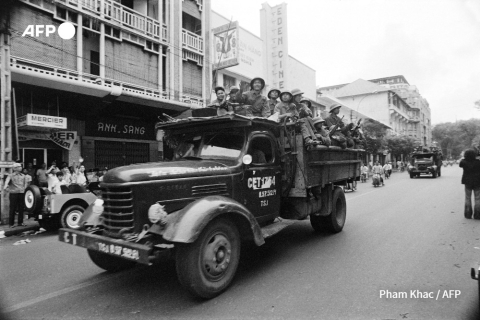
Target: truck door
(262,180)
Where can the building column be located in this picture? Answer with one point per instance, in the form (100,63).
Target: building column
(79,44)
(180,53)
(160,55)
(171,48)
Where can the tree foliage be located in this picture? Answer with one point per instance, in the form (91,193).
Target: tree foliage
(374,136)
(398,145)
(456,137)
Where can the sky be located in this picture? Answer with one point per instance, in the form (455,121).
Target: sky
(434,44)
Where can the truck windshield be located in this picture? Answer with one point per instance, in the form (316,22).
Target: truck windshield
(224,144)
(426,158)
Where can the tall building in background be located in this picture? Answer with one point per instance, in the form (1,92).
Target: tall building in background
(391,100)
(129,62)
(263,56)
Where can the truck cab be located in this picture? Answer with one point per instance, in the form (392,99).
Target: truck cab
(232,179)
(425,161)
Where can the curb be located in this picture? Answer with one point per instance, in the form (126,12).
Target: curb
(17,230)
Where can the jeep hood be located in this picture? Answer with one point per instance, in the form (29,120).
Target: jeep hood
(168,170)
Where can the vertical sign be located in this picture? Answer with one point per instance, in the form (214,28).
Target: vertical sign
(275,35)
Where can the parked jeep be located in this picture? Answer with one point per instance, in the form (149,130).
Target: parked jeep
(53,211)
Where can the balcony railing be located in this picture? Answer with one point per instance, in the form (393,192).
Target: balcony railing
(196,101)
(395,109)
(54,72)
(192,42)
(127,17)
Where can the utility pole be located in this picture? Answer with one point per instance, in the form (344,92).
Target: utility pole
(5,113)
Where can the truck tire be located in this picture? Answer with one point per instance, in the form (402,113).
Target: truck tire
(439,171)
(335,221)
(411,175)
(108,262)
(434,174)
(207,266)
(33,199)
(70,216)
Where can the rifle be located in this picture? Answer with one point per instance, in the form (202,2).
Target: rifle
(335,127)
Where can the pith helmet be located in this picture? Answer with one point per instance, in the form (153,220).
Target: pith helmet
(333,107)
(260,79)
(234,88)
(307,102)
(318,120)
(289,94)
(274,89)
(219,88)
(296,92)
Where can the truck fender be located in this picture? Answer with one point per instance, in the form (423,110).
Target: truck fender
(186,224)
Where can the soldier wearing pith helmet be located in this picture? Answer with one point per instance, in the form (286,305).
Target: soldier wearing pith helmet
(333,118)
(254,101)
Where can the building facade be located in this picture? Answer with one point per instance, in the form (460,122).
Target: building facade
(129,62)
(408,112)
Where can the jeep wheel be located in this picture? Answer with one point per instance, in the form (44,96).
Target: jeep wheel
(207,267)
(108,262)
(335,221)
(33,199)
(71,216)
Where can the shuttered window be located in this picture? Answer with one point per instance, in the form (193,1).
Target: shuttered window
(113,154)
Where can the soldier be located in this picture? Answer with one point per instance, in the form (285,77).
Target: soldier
(272,96)
(285,107)
(333,118)
(255,102)
(221,102)
(322,133)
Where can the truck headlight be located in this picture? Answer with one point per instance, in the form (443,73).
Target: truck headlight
(157,213)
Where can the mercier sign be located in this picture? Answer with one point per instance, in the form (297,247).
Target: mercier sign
(64,139)
(38,121)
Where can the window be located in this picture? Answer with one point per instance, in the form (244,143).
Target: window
(261,150)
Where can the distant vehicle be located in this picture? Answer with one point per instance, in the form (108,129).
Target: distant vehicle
(426,161)
(376,180)
(53,211)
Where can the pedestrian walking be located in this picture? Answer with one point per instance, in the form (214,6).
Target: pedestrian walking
(16,184)
(471,180)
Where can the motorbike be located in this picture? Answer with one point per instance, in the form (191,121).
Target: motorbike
(387,174)
(377,180)
(363,177)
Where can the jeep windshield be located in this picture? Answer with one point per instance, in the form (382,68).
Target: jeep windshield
(224,144)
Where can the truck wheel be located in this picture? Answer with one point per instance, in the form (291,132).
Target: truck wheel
(434,174)
(411,175)
(439,171)
(33,199)
(108,262)
(336,220)
(71,216)
(207,267)
(49,225)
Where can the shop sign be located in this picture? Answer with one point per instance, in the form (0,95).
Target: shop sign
(39,121)
(64,139)
(120,128)
(226,51)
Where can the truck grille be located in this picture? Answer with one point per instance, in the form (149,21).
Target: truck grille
(118,210)
(209,189)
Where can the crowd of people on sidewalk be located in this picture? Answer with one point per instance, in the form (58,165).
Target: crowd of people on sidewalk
(52,178)
(292,106)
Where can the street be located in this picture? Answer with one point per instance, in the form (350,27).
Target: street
(409,236)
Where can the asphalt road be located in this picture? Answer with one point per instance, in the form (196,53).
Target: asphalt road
(408,236)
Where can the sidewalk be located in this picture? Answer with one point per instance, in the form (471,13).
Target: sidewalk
(30,225)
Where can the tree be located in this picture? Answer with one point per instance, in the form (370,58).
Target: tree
(456,137)
(374,136)
(398,145)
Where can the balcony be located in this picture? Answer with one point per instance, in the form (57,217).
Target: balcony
(192,42)
(125,16)
(44,75)
(414,119)
(397,112)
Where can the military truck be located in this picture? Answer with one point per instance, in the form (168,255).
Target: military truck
(232,180)
(426,161)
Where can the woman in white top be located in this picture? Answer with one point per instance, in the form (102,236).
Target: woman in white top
(79,176)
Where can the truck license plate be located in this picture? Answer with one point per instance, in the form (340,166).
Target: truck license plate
(122,249)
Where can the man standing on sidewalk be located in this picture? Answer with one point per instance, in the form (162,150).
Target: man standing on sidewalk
(16,184)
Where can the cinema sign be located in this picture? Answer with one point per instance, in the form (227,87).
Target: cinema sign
(40,121)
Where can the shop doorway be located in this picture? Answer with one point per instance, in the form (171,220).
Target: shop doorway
(34,156)
(54,154)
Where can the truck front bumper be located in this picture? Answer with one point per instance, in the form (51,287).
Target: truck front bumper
(115,247)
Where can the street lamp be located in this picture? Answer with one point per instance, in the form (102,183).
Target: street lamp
(358,105)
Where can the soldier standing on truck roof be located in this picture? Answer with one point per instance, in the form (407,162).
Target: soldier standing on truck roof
(221,102)
(255,102)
